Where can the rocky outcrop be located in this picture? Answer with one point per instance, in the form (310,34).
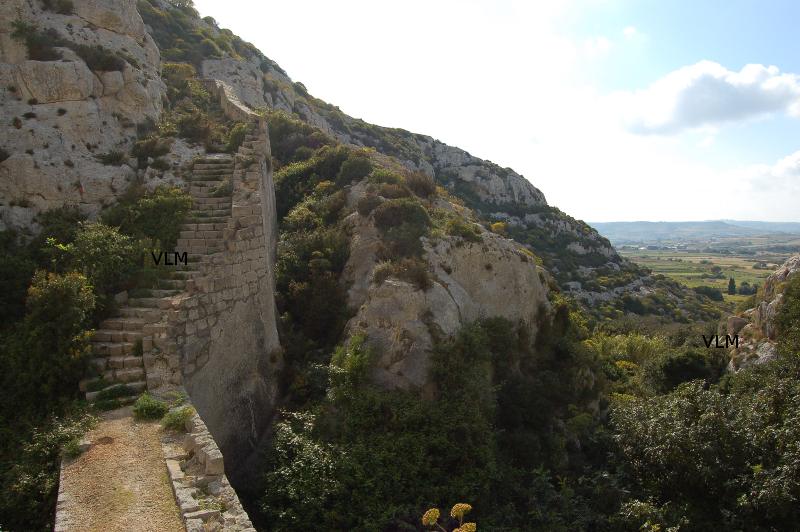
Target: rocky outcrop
(61,115)
(756,326)
(470,281)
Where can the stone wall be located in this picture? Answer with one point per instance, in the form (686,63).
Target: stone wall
(219,338)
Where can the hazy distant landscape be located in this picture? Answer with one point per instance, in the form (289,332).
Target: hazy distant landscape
(726,236)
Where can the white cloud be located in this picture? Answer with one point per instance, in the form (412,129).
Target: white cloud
(708,94)
(596,47)
(630,32)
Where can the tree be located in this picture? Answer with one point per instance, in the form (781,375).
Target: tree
(732,287)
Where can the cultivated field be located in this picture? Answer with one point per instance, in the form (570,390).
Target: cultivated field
(698,268)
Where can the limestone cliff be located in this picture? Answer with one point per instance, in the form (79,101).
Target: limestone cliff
(756,326)
(484,277)
(96,78)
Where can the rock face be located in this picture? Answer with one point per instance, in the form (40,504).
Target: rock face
(756,326)
(62,115)
(470,281)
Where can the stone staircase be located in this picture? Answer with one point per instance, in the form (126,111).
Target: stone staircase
(120,342)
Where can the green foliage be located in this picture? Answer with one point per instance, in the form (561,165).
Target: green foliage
(16,270)
(413,270)
(665,372)
(104,255)
(732,287)
(421,184)
(157,216)
(293,140)
(177,418)
(710,292)
(402,222)
(29,467)
(727,458)
(42,47)
(787,320)
(148,407)
(236,136)
(296,181)
(62,7)
(112,158)
(366,204)
(44,356)
(354,168)
(467,231)
(150,147)
(178,32)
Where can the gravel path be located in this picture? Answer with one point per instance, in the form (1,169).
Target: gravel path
(121,482)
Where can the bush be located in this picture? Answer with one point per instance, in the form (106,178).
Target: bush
(421,184)
(148,407)
(16,270)
(390,191)
(394,213)
(236,136)
(157,216)
(787,320)
(176,419)
(366,204)
(356,167)
(112,158)
(104,255)
(62,7)
(412,270)
(665,372)
(466,230)
(382,175)
(710,292)
(40,45)
(151,148)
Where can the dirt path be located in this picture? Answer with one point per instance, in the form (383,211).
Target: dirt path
(121,482)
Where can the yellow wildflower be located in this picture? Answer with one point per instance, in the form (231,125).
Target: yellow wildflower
(467,527)
(431,517)
(459,510)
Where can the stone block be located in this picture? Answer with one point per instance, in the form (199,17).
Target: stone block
(214,463)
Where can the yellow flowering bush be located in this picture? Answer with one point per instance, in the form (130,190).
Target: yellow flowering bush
(459,510)
(431,517)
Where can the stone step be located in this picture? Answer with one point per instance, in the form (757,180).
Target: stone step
(146,314)
(209,212)
(115,336)
(208,220)
(207,183)
(103,364)
(172,284)
(220,200)
(204,227)
(134,387)
(211,164)
(148,302)
(112,349)
(123,323)
(211,175)
(187,274)
(194,258)
(200,234)
(205,192)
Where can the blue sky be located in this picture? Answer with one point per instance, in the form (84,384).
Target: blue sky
(615,109)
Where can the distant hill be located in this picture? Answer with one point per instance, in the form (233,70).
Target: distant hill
(633,232)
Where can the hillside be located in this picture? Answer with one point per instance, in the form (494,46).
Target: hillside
(366,325)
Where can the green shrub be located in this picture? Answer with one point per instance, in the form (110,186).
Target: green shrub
(16,270)
(176,419)
(412,270)
(45,357)
(40,45)
(665,372)
(710,292)
(402,221)
(421,184)
(466,230)
(236,136)
(148,407)
(62,7)
(390,191)
(151,148)
(366,204)
(382,175)
(160,164)
(115,392)
(157,216)
(787,320)
(104,255)
(112,158)
(356,167)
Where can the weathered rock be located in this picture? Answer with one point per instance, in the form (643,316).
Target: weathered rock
(74,114)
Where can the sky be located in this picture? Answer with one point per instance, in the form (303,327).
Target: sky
(615,109)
